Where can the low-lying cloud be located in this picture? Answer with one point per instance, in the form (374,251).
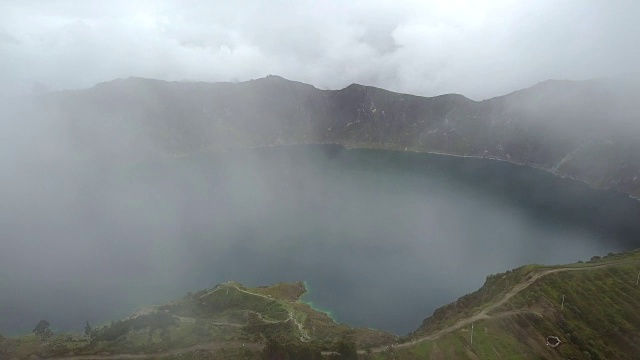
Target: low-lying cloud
(480,49)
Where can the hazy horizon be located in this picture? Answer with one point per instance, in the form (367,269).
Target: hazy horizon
(480,49)
(195,81)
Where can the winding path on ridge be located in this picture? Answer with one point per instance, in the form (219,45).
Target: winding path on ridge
(483,314)
(304,337)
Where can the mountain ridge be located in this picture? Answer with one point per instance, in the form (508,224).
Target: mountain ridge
(585,130)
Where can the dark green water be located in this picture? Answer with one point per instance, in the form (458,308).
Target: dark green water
(382,238)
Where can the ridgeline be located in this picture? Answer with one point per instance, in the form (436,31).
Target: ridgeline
(577,311)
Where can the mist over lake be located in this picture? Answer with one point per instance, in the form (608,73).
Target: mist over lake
(382,238)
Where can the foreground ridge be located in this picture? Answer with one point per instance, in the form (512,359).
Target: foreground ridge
(512,314)
(520,315)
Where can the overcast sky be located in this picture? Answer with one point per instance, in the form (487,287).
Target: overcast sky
(477,48)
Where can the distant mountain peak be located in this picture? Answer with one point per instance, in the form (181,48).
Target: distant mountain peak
(558,125)
(275,77)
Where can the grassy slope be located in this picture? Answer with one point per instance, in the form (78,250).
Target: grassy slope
(599,320)
(512,315)
(600,313)
(229,314)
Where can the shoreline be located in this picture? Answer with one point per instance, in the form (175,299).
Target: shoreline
(418,151)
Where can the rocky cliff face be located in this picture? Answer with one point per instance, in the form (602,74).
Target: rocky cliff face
(588,130)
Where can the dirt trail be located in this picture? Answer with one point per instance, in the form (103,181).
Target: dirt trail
(484,313)
(254,294)
(190,320)
(304,337)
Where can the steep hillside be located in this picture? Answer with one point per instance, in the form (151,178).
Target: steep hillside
(586,129)
(591,308)
(577,311)
(230,318)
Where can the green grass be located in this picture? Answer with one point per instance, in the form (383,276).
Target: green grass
(281,291)
(600,313)
(494,288)
(227,312)
(600,320)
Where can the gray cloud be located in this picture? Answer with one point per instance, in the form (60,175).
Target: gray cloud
(8,38)
(480,49)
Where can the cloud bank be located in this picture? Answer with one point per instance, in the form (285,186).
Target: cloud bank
(477,48)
